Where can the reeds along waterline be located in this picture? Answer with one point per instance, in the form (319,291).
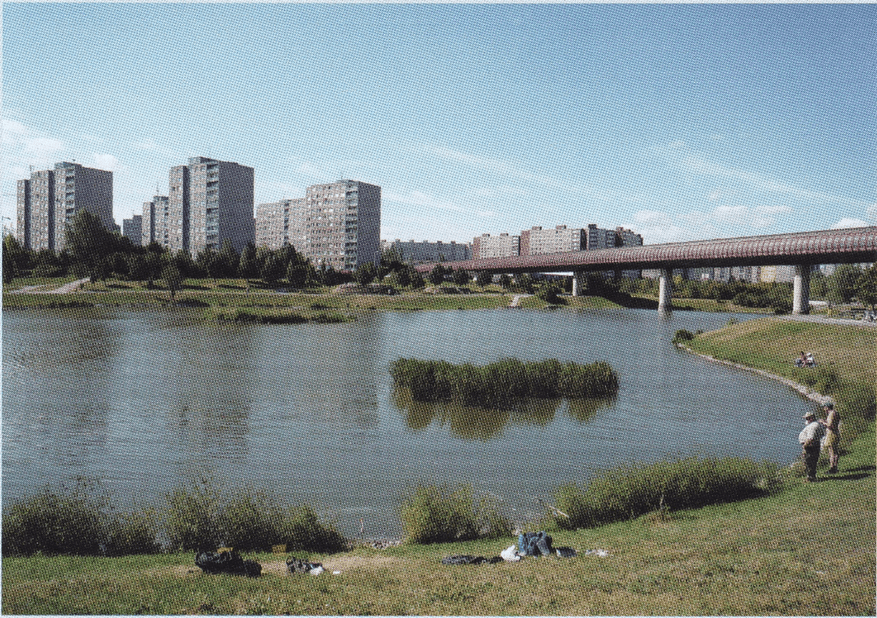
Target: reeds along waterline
(498,383)
(80,521)
(636,489)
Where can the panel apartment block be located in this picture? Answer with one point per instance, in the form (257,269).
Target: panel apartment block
(209,202)
(487,246)
(561,239)
(282,223)
(81,188)
(132,229)
(48,201)
(427,252)
(342,224)
(156,221)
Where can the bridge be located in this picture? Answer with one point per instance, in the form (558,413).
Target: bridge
(801,250)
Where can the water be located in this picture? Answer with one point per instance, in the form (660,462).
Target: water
(146,400)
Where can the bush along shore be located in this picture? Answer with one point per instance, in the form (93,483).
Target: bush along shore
(500,383)
(82,520)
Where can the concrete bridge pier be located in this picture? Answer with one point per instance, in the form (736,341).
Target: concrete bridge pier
(801,290)
(665,287)
(578,282)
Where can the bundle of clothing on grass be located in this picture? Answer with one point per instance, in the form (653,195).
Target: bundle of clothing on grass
(529,544)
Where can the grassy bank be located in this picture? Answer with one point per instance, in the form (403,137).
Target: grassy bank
(807,549)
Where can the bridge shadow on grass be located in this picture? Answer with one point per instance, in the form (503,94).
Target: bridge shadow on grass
(630,302)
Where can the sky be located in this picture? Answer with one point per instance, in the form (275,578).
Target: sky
(680,122)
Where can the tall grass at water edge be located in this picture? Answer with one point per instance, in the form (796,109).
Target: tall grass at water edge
(633,490)
(443,514)
(82,521)
(499,383)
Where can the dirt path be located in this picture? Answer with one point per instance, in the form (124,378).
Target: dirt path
(67,288)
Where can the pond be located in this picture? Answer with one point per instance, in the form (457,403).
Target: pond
(143,401)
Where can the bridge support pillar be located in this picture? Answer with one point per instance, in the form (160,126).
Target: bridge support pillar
(665,286)
(801,290)
(578,282)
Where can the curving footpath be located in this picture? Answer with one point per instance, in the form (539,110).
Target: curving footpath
(67,288)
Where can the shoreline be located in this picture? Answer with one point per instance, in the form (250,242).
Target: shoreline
(802,389)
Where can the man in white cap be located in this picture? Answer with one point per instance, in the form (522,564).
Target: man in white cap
(810,439)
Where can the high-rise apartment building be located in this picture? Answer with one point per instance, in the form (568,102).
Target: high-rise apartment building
(343,224)
(561,239)
(156,220)
(427,252)
(48,201)
(487,246)
(598,238)
(209,202)
(132,229)
(336,224)
(282,223)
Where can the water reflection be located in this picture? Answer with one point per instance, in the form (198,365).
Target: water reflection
(484,424)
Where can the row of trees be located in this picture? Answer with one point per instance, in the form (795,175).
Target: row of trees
(95,252)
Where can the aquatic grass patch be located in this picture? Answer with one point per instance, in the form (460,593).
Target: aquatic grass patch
(633,490)
(273,315)
(442,514)
(497,384)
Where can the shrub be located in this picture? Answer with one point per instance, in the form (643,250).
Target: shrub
(300,528)
(630,491)
(439,514)
(132,533)
(682,336)
(549,293)
(55,522)
(248,520)
(192,518)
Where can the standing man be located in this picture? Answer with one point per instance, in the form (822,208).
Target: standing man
(810,438)
(832,435)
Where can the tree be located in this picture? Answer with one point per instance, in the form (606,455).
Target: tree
(297,274)
(272,269)
(248,267)
(461,277)
(505,281)
(89,243)
(365,273)
(866,287)
(437,274)
(417,282)
(173,278)
(228,260)
(484,278)
(842,284)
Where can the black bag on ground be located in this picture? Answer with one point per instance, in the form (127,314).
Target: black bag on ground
(467,559)
(294,565)
(227,562)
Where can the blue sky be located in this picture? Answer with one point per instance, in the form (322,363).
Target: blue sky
(681,122)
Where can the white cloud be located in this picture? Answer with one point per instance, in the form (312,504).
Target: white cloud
(103,161)
(699,165)
(748,216)
(872,214)
(421,200)
(22,142)
(657,227)
(847,222)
